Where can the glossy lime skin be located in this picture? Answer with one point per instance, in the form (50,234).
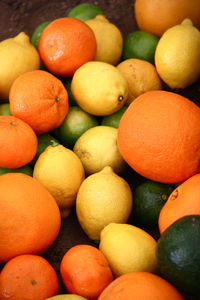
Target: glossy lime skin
(85,11)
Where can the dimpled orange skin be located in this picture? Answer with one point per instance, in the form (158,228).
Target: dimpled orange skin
(159,136)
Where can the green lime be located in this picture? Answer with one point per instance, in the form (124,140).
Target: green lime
(5,109)
(149,197)
(85,11)
(141,45)
(113,119)
(72,101)
(44,140)
(25,169)
(74,125)
(37,33)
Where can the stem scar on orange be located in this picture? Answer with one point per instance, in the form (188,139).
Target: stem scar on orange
(18,142)
(66,44)
(40,99)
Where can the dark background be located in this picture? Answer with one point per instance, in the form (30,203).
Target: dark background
(21,15)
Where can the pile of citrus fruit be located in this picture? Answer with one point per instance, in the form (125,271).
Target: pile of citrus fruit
(81,107)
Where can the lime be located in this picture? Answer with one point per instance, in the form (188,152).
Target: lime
(113,119)
(149,197)
(5,109)
(141,45)
(37,33)
(85,11)
(72,101)
(44,140)
(25,169)
(74,125)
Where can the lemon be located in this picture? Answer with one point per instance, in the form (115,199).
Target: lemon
(97,148)
(17,56)
(103,197)
(177,56)
(99,88)
(66,297)
(109,39)
(128,249)
(61,172)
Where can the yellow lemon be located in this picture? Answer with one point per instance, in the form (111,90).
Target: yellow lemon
(99,88)
(17,56)
(128,249)
(103,197)
(141,76)
(109,39)
(60,170)
(97,148)
(66,297)
(177,56)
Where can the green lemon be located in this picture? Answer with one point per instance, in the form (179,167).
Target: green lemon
(5,109)
(140,45)
(25,169)
(85,11)
(37,33)
(113,119)
(149,197)
(72,101)
(74,125)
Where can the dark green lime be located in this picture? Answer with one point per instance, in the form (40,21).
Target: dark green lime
(25,169)
(140,45)
(113,119)
(85,11)
(72,101)
(37,33)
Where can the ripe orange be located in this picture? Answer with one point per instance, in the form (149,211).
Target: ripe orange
(85,271)
(183,201)
(66,44)
(156,16)
(18,142)
(30,217)
(40,99)
(28,277)
(140,285)
(159,136)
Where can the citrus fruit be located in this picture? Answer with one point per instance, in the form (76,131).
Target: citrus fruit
(177,254)
(74,125)
(67,297)
(128,249)
(5,109)
(102,198)
(183,201)
(25,169)
(140,285)
(158,16)
(85,11)
(161,146)
(141,77)
(37,33)
(109,40)
(113,119)
(18,142)
(72,101)
(30,220)
(177,56)
(66,44)
(85,271)
(28,277)
(99,88)
(61,172)
(17,56)
(40,99)
(141,45)
(149,197)
(97,148)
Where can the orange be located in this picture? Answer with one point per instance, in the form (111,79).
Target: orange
(18,142)
(183,201)
(30,217)
(156,16)
(85,271)
(159,136)
(40,99)
(28,277)
(66,44)
(139,286)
